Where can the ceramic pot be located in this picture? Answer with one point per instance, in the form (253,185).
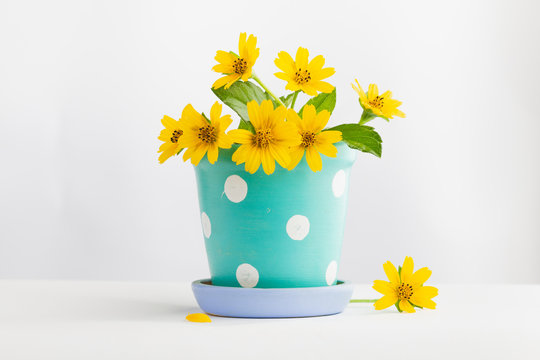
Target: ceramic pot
(281,230)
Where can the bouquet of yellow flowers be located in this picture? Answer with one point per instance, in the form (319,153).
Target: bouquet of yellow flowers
(270,129)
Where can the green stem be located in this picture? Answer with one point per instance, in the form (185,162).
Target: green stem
(363,300)
(256,78)
(367,116)
(294,99)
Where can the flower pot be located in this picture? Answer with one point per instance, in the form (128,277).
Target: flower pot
(281,230)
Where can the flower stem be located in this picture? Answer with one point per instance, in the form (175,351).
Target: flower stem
(294,99)
(367,116)
(363,300)
(256,78)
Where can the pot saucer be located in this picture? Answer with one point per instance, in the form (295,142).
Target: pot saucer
(271,303)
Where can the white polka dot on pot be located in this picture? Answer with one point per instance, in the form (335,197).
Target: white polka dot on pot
(331,272)
(247,275)
(339,183)
(206,225)
(298,227)
(235,188)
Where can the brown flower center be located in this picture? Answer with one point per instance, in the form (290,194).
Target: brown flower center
(302,76)
(208,134)
(175,135)
(263,138)
(308,139)
(405,291)
(377,103)
(240,66)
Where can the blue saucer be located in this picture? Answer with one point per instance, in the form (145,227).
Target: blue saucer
(271,303)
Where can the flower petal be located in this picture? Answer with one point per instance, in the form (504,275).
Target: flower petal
(391,272)
(407,270)
(385,302)
(241,136)
(420,276)
(406,306)
(384,287)
(313,158)
(302,55)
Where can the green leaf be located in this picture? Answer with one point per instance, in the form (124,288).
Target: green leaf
(322,102)
(361,137)
(238,95)
(287,99)
(246,125)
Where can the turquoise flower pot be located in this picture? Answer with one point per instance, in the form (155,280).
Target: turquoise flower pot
(274,231)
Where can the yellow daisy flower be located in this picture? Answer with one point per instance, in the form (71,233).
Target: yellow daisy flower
(269,143)
(314,140)
(236,67)
(301,75)
(201,136)
(169,136)
(383,106)
(405,288)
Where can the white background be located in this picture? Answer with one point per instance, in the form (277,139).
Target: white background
(83,86)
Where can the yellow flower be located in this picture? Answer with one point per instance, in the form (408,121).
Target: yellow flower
(201,136)
(271,140)
(169,136)
(383,106)
(405,289)
(236,67)
(301,75)
(314,140)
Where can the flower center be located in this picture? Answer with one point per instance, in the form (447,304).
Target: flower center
(207,134)
(405,291)
(377,102)
(308,139)
(240,66)
(263,138)
(175,135)
(302,77)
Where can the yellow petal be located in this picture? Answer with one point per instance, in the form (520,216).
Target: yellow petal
(329,137)
(313,159)
(169,122)
(391,272)
(323,74)
(297,153)
(384,287)
(215,112)
(316,64)
(359,90)
(242,45)
(213,152)
(268,162)
(385,301)
(200,318)
(407,270)
(322,86)
(224,57)
(424,302)
(253,161)
(280,153)
(302,55)
(406,306)
(420,276)
(320,121)
(241,136)
(240,155)
(373,91)
(327,149)
(254,114)
(427,291)
(233,79)
(198,154)
(285,63)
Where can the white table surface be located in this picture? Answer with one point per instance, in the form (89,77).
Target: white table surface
(123,320)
